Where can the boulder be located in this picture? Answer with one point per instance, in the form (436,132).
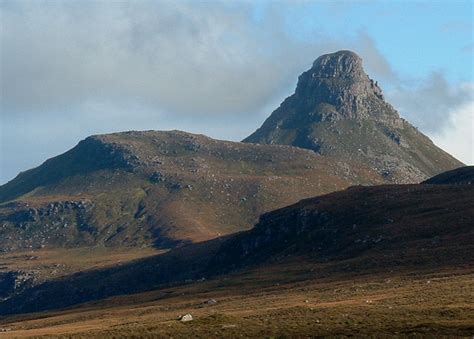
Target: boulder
(186,317)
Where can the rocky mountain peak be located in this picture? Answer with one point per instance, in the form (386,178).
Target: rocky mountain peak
(338,110)
(339,83)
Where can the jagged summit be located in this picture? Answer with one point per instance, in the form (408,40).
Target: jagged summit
(340,80)
(334,88)
(338,110)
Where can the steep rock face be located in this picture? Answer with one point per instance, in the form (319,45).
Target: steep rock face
(338,110)
(339,80)
(160,188)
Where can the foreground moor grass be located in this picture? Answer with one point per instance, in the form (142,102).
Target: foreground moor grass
(286,300)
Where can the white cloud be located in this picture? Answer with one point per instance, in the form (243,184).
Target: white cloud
(441,110)
(428,102)
(458,136)
(374,61)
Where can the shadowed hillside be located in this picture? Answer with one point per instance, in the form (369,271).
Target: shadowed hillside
(460,176)
(361,229)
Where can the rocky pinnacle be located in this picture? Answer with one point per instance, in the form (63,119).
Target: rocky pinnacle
(337,87)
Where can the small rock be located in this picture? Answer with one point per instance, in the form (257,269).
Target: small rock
(156,177)
(229,326)
(186,317)
(211,302)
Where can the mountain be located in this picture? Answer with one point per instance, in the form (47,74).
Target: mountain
(165,189)
(407,229)
(338,110)
(160,189)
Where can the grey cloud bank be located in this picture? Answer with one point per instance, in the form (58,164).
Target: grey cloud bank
(181,58)
(73,69)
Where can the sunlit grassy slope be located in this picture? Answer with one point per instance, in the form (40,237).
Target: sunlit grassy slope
(160,189)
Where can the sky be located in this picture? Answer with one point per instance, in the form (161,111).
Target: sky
(70,69)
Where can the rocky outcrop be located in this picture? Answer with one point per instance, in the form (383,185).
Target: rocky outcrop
(339,80)
(32,226)
(13,282)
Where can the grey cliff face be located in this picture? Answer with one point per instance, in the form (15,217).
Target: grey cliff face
(339,80)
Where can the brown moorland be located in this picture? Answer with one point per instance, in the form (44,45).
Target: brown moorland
(405,267)
(294,298)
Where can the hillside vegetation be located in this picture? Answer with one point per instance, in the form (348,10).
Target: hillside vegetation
(160,189)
